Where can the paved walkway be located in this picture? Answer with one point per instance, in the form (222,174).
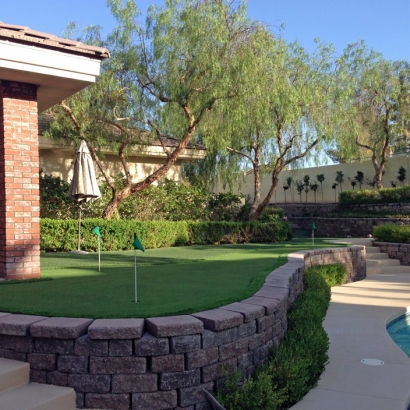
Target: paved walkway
(356,325)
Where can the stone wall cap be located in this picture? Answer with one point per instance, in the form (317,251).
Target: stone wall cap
(174,325)
(116,329)
(18,325)
(219,319)
(270,305)
(273,292)
(2,314)
(279,281)
(61,328)
(248,311)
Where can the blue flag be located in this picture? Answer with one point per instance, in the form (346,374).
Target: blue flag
(137,244)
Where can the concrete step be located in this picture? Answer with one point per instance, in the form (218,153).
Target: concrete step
(372,249)
(35,396)
(373,270)
(16,393)
(13,374)
(382,262)
(377,256)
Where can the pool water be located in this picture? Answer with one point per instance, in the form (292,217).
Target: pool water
(399,331)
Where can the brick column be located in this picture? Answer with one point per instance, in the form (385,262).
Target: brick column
(19,182)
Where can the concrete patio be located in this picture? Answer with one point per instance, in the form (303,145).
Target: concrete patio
(356,325)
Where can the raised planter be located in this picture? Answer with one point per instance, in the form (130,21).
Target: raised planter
(164,362)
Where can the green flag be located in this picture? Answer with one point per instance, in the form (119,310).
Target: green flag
(137,244)
(313,226)
(96,231)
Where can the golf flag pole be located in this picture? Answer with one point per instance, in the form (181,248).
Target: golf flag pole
(313,233)
(97,232)
(137,245)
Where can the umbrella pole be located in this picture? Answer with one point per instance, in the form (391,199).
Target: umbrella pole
(79,228)
(135,274)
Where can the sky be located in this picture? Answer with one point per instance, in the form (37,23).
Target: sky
(382,24)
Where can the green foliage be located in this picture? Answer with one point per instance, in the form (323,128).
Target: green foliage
(392,233)
(401,175)
(300,359)
(339,178)
(168,201)
(54,200)
(164,78)
(271,214)
(224,206)
(359,178)
(61,235)
(383,195)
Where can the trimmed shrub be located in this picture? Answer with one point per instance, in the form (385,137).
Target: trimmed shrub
(383,195)
(392,233)
(62,235)
(299,361)
(270,214)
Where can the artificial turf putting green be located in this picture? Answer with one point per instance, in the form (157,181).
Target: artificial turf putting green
(170,280)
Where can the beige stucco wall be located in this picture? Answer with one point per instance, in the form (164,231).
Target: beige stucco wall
(329,171)
(60,163)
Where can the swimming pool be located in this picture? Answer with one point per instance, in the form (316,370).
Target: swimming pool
(399,331)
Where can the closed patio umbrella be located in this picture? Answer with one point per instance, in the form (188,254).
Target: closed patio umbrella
(83,187)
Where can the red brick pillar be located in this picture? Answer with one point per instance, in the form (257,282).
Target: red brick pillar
(19,182)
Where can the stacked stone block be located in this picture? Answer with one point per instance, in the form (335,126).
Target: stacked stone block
(164,362)
(400,251)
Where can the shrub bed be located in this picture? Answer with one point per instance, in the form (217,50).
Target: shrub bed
(297,364)
(382,196)
(392,233)
(62,235)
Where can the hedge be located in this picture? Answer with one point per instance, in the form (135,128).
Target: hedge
(62,235)
(382,196)
(299,361)
(392,233)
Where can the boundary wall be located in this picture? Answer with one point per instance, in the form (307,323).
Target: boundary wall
(165,362)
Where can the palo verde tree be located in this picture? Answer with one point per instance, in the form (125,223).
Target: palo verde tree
(160,84)
(378,112)
(282,114)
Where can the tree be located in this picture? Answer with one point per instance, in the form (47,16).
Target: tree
(283,112)
(306,180)
(334,186)
(339,179)
(285,188)
(359,178)
(300,186)
(289,181)
(353,182)
(321,178)
(314,188)
(401,175)
(159,85)
(377,118)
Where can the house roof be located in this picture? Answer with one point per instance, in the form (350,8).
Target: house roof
(25,35)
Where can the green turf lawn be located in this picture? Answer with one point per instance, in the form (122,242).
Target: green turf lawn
(170,280)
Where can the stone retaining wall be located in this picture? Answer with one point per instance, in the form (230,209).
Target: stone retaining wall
(165,362)
(317,210)
(343,227)
(400,251)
